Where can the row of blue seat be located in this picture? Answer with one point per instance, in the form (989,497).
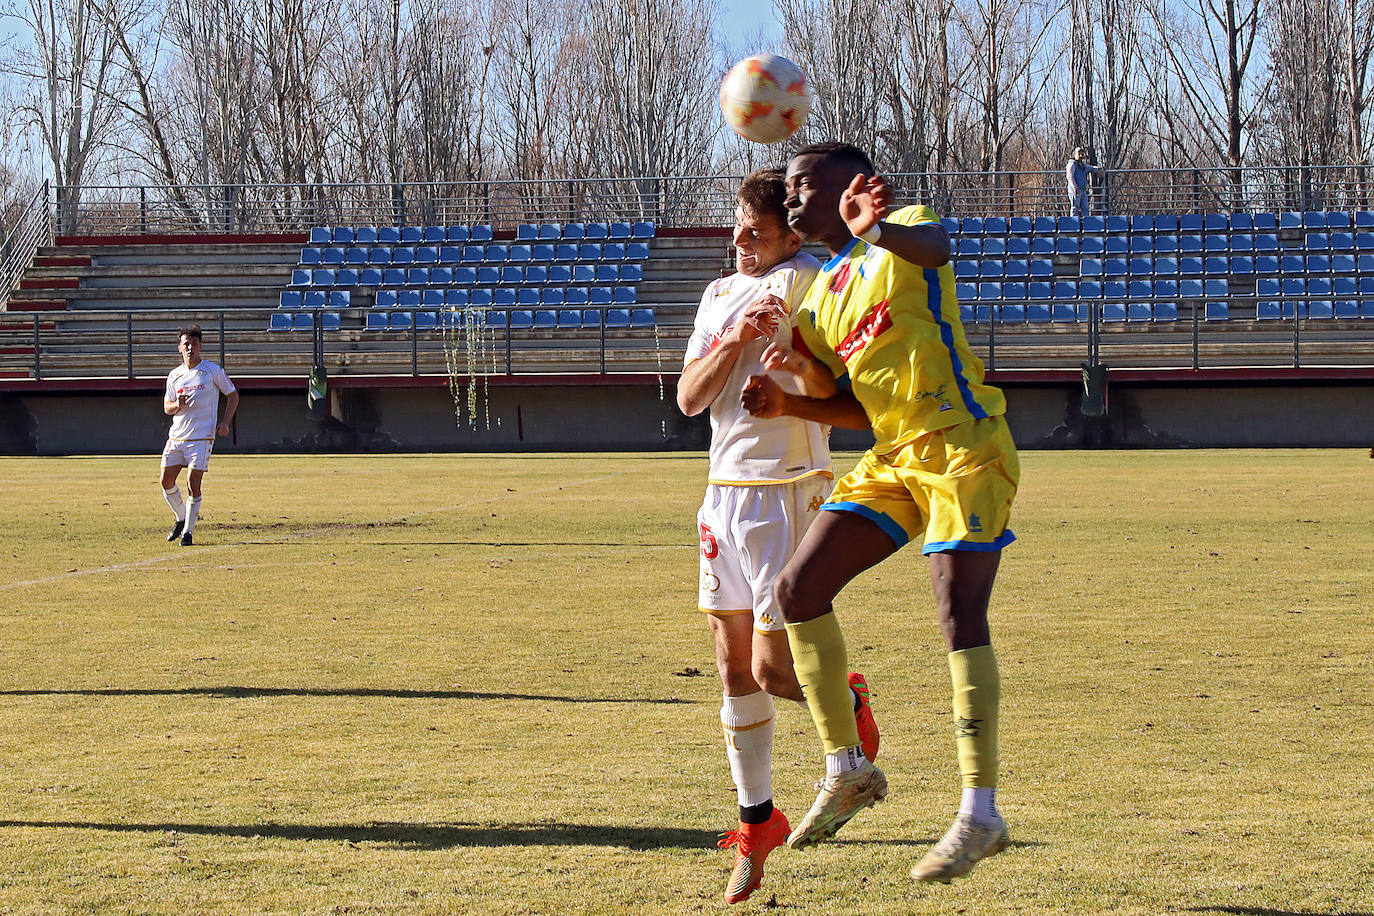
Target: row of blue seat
(1210,288)
(516,319)
(545,232)
(1245,265)
(482,232)
(382,256)
(468,276)
(507,296)
(1045,246)
(1155,311)
(1161,222)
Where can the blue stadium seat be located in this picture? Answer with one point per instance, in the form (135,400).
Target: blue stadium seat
(536,273)
(1165,289)
(1268,311)
(526,232)
(376,321)
(1345,286)
(1342,241)
(1142,223)
(636,251)
(322,277)
(496,318)
(1242,264)
(545,319)
(1367,308)
(1215,222)
(1090,267)
(1314,219)
(1066,245)
(1266,241)
(1094,224)
(967,269)
(527,296)
(1190,222)
(1139,311)
(950,224)
(613,251)
(290,299)
(1116,223)
(321,235)
(388,235)
(1140,289)
(1116,245)
(1039,289)
(520,319)
(435,235)
(425,321)
(995,225)
(617,318)
(1216,265)
(458,234)
(1216,311)
(1089,289)
(1092,246)
(584,273)
(1242,241)
(574,231)
(1242,222)
(1113,311)
(402,254)
(1343,263)
(1041,267)
(551,296)
(332,257)
(1346,308)
(457,298)
(631,273)
(412,235)
(994,247)
(1013,290)
(988,269)
(1011,314)
(1266,264)
(1139,267)
(1063,313)
(355,256)
(1167,267)
(620,231)
(1267,286)
(599,295)
(303,321)
(565,252)
(641,318)
(346,276)
(1318,241)
(1045,225)
(1366,262)
(1265,222)
(1318,286)
(1037,312)
(1190,266)
(340,299)
(1364,219)
(1290,219)
(408,298)
(597,232)
(433,298)
(1320,308)
(1065,289)
(465,275)
(488,275)
(971,225)
(1142,244)
(481,298)
(1166,244)
(562,273)
(379,256)
(624,295)
(575,295)
(591,318)
(1068,224)
(495,254)
(644,230)
(386,298)
(1021,225)
(473,254)
(1216,287)
(969,247)
(1166,311)
(343,235)
(1115,267)
(399,321)
(312,256)
(450,254)
(989,291)
(1190,288)
(1042,245)
(1018,268)
(1293,264)
(315,299)
(569,319)
(963,290)
(1318,263)
(1190,244)
(542,252)
(512,275)
(518,253)
(417,276)
(607,273)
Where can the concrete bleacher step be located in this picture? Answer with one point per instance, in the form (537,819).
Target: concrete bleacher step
(192,254)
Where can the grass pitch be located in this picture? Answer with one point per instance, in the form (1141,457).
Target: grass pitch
(458,684)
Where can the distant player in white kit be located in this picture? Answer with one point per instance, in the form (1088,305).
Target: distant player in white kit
(767,481)
(192,401)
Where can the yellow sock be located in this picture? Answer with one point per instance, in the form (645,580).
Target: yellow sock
(822,666)
(977,693)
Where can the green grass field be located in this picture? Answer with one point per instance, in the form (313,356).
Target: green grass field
(457,684)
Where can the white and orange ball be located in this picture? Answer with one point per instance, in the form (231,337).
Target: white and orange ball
(765,98)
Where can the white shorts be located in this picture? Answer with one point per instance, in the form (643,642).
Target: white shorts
(747,535)
(194,454)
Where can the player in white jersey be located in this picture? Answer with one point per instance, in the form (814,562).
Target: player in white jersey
(767,481)
(192,401)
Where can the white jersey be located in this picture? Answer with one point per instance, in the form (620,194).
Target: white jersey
(746,449)
(204,383)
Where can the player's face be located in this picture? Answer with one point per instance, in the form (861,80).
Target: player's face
(189,347)
(814,185)
(762,242)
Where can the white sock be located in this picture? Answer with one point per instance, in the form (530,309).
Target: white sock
(748,724)
(981,803)
(844,761)
(192,513)
(173,497)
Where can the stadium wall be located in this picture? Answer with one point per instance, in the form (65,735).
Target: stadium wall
(601,413)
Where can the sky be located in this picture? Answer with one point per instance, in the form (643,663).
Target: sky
(743,20)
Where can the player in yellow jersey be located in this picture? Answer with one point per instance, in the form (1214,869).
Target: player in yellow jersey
(883,317)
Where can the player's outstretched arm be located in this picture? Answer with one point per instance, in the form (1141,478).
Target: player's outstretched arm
(863,205)
(764,397)
(703,379)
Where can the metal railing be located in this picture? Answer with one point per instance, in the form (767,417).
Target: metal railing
(467,343)
(706,200)
(32,229)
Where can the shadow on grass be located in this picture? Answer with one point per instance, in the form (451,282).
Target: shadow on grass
(421,836)
(388,693)
(448,836)
(1269,911)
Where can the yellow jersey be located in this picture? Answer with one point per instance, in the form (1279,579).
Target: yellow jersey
(890,332)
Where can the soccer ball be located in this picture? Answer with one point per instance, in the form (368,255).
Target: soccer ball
(765,98)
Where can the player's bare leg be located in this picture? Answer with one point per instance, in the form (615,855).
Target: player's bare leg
(963,582)
(174,500)
(838,546)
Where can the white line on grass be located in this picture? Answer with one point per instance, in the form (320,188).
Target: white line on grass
(303,533)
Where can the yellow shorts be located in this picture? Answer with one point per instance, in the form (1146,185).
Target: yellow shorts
(953,488)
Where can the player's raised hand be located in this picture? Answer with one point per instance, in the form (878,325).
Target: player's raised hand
(864,202)
(761,318)
(762,397)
